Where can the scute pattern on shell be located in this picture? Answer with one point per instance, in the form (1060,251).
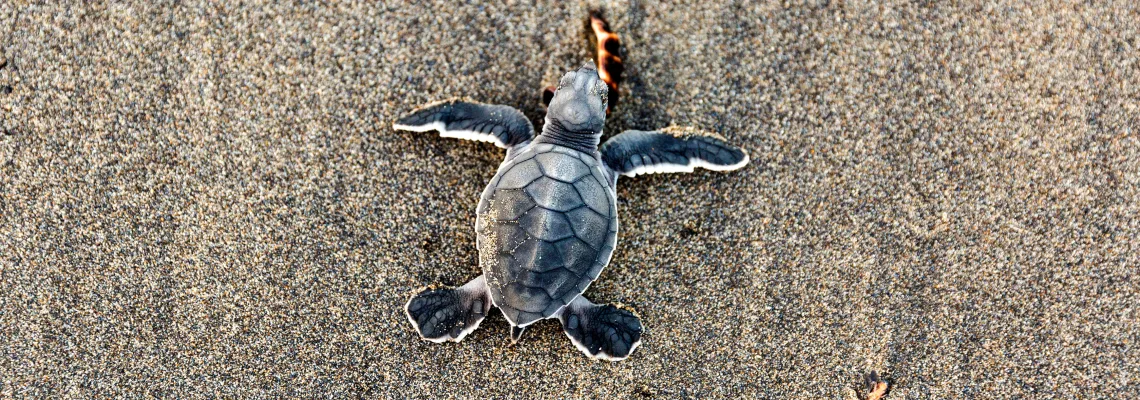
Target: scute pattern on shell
(546,227)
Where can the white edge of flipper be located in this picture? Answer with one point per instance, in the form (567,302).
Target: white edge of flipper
(443,132)
(693,163)
(601,354)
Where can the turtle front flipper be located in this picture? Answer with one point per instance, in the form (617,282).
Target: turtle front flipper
(446,314)
(670,150)
(606,332)
(504,126)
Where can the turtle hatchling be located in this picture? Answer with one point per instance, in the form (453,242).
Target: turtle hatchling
(547,222)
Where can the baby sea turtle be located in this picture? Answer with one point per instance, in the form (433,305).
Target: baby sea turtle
(547,223)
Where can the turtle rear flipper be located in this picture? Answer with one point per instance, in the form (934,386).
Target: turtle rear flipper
(445,314)
(605,332)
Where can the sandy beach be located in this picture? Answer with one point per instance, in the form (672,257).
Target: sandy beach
(202,200)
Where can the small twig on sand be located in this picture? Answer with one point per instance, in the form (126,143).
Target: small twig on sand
(876,388)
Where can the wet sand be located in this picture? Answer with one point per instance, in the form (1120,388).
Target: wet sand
(201,200)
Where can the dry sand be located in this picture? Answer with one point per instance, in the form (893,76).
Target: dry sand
(201,200)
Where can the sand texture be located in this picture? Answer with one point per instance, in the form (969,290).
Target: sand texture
(202,200)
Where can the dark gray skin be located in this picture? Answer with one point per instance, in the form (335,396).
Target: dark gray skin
(547,222)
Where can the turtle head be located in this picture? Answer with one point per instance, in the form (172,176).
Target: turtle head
(579,102)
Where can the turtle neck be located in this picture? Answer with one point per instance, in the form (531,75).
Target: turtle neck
(554,133)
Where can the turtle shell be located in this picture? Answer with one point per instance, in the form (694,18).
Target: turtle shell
(546,226)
